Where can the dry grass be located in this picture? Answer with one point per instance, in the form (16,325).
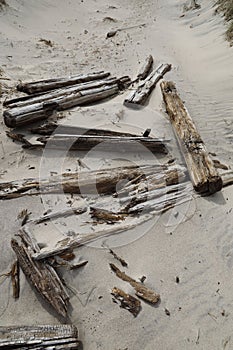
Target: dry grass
(226,7)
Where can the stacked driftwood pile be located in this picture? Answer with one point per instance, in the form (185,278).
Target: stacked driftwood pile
(150,189)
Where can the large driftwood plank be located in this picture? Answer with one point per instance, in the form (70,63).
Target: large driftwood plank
(103,181)
(140,95)
(19,116)
(39,337)
(204,176)
(50,84)
(41,275)
(45,97)
(105,143)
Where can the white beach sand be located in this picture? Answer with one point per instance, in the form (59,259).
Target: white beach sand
(197,246)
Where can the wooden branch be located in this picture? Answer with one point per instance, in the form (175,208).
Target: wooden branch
(15,279)
(51,84)
(146,68)
(140,290)
(127,301)
(41,276)
(204,176)
(105,143)
(39,337)
(19,116)
(140,95)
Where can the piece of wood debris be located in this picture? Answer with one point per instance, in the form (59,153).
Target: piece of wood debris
(41,275)
(105,143)
(39,337)
(139,95)
(204,176)
(15,279)
(127,301)
(117,257)
(219,165)
(146,68)
(46,42)
(167,312)
(51,84)
(78,265)
(113,32)
(24,216)
(107,216)
(140,290)
(102,181)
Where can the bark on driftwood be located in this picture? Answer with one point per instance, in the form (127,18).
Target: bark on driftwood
(139,95)
(105,143)
(102,181)
(204,176)
(41,275)
(37,337)
(140,290)
(127,301)
(51,84)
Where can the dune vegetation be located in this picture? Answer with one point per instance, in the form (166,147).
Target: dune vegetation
(226,7)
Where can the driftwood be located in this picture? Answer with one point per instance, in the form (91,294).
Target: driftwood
(140,290)
(51,84)
(145,70)
(50,128)
(15,279)
(204,176)
(19,116)
(140,95)
(107,216)
(64,92)
(102,181)
(127,301)
(39,337)
(117,257)
(104,143)
(41,275)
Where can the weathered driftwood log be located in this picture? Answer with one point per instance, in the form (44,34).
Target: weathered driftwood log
(105,143)
(50,128)
(140,289)
(38,111)
(51,84)
(39,337)
(41,275)
(139,95)
(204,176)
(146,68)
(127,301)
(66,91)
(102,181)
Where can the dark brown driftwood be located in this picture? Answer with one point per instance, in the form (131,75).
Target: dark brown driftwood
(19,116)
(117,257)
(50,128)
(65,92)
(140,95)
(127,301)
(39,337)
(146,68)
(204,176)
(105,143)
(102,181)
(15,279)
(41,275)
(51,84)
(140,289)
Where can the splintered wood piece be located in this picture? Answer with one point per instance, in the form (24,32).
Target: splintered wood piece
(39,337)
(50,128)
(50,84)
(140,290)
(106,143)
(19,116)
(42,276)
(140,95)
(127,301)
(102,181)
(117,257)
(15,279)
(104,215)
(203,174)
(145,69)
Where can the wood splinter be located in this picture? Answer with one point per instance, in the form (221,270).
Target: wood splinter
(203,173)
(127,301)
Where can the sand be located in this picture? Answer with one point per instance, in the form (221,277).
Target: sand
(193,242)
